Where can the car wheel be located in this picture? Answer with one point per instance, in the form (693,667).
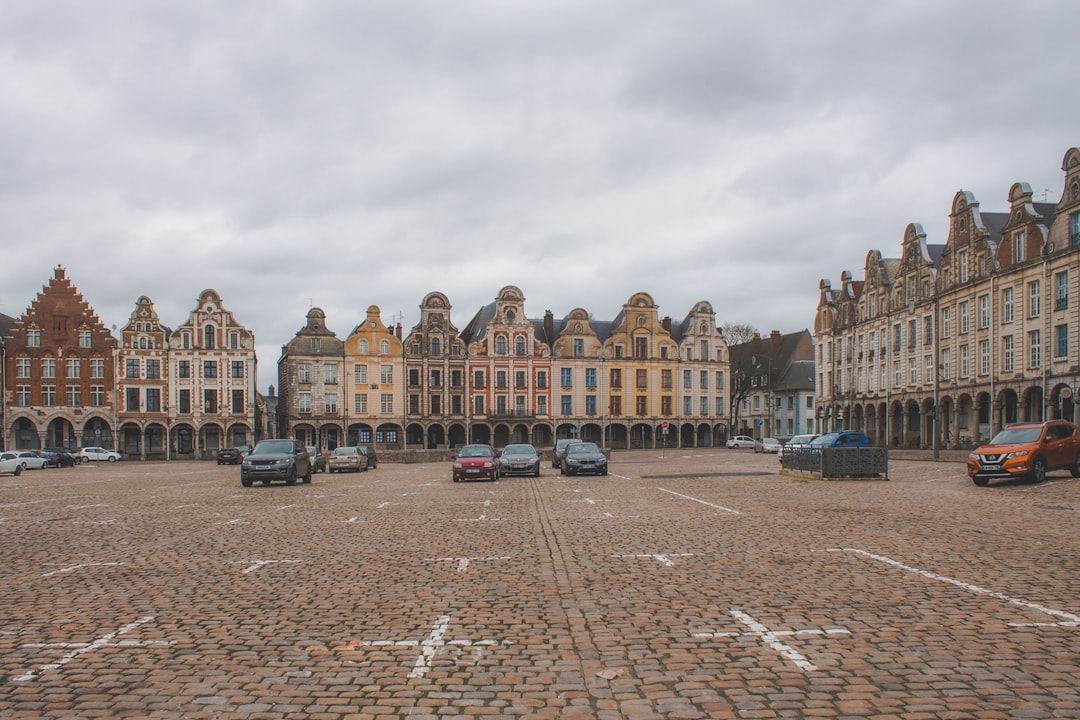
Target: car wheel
(246,482)
(605,472)
(290,479)
(112,459)
(307,478)
(536,473)
(18,471)
(1038,470)
(1074,469)
(457,479)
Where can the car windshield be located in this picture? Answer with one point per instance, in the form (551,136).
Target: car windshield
(518,450)
(269,447)
(582,448)
(345,451)
(475,452)
(826,439)
(1015,436)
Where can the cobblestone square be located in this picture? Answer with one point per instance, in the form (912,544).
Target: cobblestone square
(700,584)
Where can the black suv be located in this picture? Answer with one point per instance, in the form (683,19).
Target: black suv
(276,460)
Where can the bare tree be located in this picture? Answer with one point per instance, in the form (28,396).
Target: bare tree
(738,333)
(742,365)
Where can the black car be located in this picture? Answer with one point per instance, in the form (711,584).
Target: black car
(276,460)
(584,457)
(559,451)
(229,456)
(519,459)
(60,457)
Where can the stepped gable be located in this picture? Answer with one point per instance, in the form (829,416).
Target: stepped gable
(63,301)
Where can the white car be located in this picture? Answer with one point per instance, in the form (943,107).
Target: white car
(30,459)
(770,445)
(98,453)
(740,442)
(10,464)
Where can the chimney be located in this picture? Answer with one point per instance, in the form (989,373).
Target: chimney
(549,327)
(397,331)
(666,323)
(774,341)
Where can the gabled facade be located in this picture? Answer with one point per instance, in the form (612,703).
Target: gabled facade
(212,373)
(311,375)
(435,372)
(375,369)
(578,383)
(961,339)
(773,385)
(702,379)
(143,383)
(509,363)
(60,373)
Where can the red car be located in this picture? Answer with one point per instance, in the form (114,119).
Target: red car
(476,462)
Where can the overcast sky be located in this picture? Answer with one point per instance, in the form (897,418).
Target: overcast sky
(347,154)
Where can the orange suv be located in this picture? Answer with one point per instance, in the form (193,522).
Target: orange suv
(1027,451)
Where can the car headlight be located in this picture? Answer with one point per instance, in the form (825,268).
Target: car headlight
(975,457)
(1018,453)
(458,466)
(488,464)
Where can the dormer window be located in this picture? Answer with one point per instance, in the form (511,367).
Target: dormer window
(208,337)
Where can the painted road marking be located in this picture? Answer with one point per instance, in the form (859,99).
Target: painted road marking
(1069,619)
(703,502)
(483,517)
(463,562)
(80,648)
(380,506)
(80,566)
(256,564)
(662,558)
(771,638)
(430,645)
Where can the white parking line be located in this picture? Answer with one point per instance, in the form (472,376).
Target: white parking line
(1070,620)
(769,637)
(80,566)
(703,502)
(80,648)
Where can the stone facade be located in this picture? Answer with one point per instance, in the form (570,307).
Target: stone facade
(436,373)
(143,383)
(945,345)
(311,375)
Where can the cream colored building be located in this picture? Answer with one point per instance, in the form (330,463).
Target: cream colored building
(375,379)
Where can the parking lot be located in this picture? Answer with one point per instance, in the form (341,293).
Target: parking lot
(700,584)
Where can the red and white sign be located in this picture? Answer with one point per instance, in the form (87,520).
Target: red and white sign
(664,424)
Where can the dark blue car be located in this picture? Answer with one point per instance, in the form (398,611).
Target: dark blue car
(846,438)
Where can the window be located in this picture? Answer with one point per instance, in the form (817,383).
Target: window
(478,405)
(665,379)
(185,340)
(590,378)
(208,337)
(74,396)
(984,357)
(48,395)
(687,405)
(616,378)
(946,322)
(565,404)
(303,373)
(1061,341)
(455,378)
(131,367)
(238,401)
(153,369)
(946,364)
(84,338)
(641,347)
(590,404)
(641,405)
(22,395)
(965,361)
(384,347)
(565,378)
(1007,305)
(97,397)
(1018,247)
(500,345)
(1007,353)
(541,379)
(436,346)
(414,404)
(1061,295)
(329,403)
(898,374)
(386,374)
(519,379)
(984,312)
(436,378)
(1074,228)
(209,369)
(329,371)
(1034,298)
(704,351)
(386,403)
(1035,348)
(131,399)
(361,347)
(22,368)
(303,402)
(185,401)
(618,352)
(33,338)
(360,403)
(153,398)
(234,341)
(579,347)
(183,369)
(236,369)
(436,404)
(719,379)
(641,379)
(965,320)
(615,405)
(703,379)
(500,379)
(478,378)
(962,265)
(687,379)
(48,367)
(360,374)
(541,405)
(519,346)
(210,402)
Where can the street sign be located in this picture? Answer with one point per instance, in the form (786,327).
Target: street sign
(664,425)
(1066,392)
(759,423)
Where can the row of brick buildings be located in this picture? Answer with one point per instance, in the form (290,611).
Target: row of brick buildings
(637,380)
(946,344)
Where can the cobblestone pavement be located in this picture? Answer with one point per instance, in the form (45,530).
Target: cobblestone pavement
(697,585)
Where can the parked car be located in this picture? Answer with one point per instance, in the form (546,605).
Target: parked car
(797,443)
(1027,451)
(347,458)
(369,452)
(229,456)
(30,459)
(846,438)
(559,451)
(10,465)
(276,459)
(584,457)
(769,445)
(737,442)
(476,462)
(98,454)
(318,459)
(56,458)
(64,452)
(519,459)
